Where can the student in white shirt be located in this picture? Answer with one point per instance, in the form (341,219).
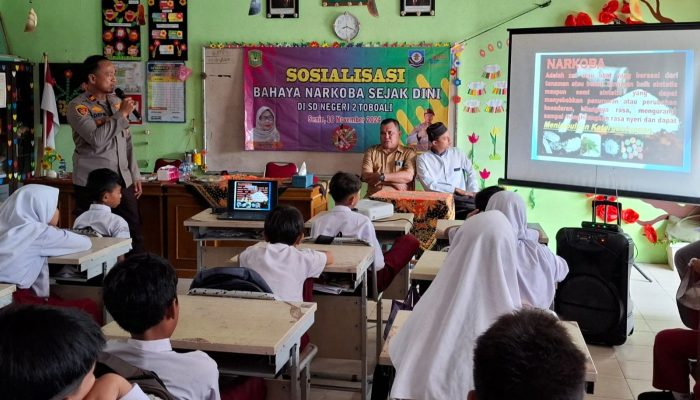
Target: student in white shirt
(342,221)
(539,269)
(282,265)
(28,236)
(140,293)
(50,353)
(446,169)
(476,284)
(103,184)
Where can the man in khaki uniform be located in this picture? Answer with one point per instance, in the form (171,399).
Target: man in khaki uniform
(102,140)
(389,165)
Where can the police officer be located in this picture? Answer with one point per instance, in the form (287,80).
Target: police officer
(100,122)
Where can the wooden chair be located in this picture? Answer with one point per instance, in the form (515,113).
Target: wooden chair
(280,169)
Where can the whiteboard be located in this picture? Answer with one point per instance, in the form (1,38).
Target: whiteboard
(224,130)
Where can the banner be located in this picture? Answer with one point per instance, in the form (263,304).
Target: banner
(333,99)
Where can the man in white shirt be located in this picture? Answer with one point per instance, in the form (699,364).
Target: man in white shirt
(446,169)
(103,185)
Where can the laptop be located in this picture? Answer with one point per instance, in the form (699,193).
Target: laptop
(250,200)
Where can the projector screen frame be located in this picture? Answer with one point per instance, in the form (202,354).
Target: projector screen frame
(584,188)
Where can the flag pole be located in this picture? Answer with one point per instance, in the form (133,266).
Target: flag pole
(38,169)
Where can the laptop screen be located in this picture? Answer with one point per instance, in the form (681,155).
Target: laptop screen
(252,195)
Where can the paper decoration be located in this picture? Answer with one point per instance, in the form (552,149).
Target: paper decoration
(476,88)
(472,106)
(494,106)
(166,92)
(491,71)
(66,88)
(131,78)
(167,30)
(500,87)
(121,34)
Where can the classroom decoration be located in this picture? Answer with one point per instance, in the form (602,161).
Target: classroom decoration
(473,139)
(483,176)
(131,78)
(282,8)
(32,20)
(650,233)
(121,34)
(495,131)
(167,24)
(327,3)
(166,92)
(66,87)
(49,158)
(254,8)
(333,99)
(17,152)
(472,106)
(417,8)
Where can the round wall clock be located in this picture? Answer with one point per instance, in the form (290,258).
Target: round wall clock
(346,26)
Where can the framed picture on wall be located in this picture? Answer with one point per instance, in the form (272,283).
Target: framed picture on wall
(327,3)
(282,8)
(417,8)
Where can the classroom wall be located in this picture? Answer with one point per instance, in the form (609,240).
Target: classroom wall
(69,30)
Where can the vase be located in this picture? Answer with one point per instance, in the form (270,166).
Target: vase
(49,173)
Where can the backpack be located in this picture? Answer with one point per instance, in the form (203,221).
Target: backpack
(230,278)
(148,381)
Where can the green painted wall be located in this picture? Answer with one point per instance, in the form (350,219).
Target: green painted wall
(69,30)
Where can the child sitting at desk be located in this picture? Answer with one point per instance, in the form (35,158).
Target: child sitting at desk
(140,293)
(538,268)
(342,221)
(50,353)
(103,185)
(28,237)
(281,264)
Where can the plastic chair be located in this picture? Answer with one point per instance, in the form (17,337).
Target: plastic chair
(280,169)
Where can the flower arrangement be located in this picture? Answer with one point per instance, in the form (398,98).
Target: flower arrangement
(50,157)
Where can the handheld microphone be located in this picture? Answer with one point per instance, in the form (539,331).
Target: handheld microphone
(120,93)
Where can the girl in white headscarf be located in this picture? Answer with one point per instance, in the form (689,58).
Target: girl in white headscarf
(476,284)
(539,269)
(265,130)
(28,236)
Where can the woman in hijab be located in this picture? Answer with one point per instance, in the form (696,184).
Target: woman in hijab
(539,269)
(477,283)
(28,236)
(265,131)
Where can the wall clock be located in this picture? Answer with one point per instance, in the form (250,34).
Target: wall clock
(346,26)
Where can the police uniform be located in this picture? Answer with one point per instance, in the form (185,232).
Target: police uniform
(103,140)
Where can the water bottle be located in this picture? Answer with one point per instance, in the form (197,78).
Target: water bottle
(62,171)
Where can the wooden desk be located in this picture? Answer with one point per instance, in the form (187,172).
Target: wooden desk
(6,291)
(250,337)
(444,224)
(428,265)
(97,260)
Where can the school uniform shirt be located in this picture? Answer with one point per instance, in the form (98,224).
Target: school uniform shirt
(26,239)
(377,160)
(101,219)
(135,394)
(102,138)
(284,268)
(539,269)
(433,351)
(342,221)
(446,172)
(190,375)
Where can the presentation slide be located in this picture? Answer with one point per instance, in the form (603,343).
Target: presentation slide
(608,109)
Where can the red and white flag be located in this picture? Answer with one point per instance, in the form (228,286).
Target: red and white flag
(49,109)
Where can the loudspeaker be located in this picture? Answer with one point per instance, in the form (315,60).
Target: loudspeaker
(595,293)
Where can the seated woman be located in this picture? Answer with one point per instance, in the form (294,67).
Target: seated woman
(476,284)
(28,237)
(538,268)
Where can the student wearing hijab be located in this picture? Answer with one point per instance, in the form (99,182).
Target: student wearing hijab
(28,236)
(477,283)
(265,132)
(539,269)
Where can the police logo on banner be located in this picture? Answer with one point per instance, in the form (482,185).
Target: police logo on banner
(416,58)
(255,58)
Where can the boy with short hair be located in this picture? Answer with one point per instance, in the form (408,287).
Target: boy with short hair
(103,185)
(282,265)
(527,355)
(140,294)
(50,353)
(342,221)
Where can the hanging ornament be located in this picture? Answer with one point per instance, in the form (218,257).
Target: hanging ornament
(30,26)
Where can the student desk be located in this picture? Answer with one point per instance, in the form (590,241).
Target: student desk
(570,326)
(444,224)
(97,260)
(428,265)
(245,336)
(6,291)
(340,331)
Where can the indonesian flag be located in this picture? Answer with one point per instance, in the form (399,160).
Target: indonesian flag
(48,108)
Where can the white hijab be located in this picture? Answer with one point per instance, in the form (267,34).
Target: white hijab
(538,268)
(477,283)
(265,136)
(24,216)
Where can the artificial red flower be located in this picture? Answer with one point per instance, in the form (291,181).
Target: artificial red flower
(650,233)
(611,6)
(600,197)
(473,138)
(612,213)
(484,173)
(570,20)
(630,216)
(606,17)
(625,8)
(456,99)
(314,44)
(583,19)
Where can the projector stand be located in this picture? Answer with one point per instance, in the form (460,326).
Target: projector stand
(641,272)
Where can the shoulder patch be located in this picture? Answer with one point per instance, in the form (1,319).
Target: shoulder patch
(81,109)
(92,97)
